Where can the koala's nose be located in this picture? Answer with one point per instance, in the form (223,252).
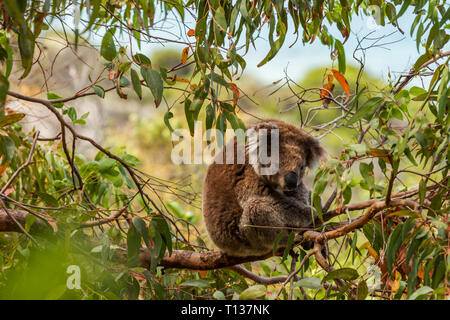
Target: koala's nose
(290,180)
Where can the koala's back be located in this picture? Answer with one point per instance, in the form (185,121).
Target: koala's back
(221,210)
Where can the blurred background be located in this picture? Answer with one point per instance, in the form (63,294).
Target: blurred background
(138,125)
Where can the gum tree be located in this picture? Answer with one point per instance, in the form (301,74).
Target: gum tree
(49,197)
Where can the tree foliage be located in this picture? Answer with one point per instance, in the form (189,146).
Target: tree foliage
(108,217)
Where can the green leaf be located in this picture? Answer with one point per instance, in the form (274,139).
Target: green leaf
(363,290)
(26,48)
(422,191)
(218,79)
(415,243)
(15,9)
(133,245)
(93,13)
(422,59)
(99,91)
(275,46)
(154,82)
(367,110)
(72,113)
(289,243)
(29,220)
(310,283)
(400,291)
(10,119)
(141,59)
(48,199)
(220,18)
(106,164)
(197,283)
(277,242)
(54,96)
(218,295)
(7,148)
(417,91)
(124,82)
(253,292)
(124,67)
(344,274)
(167,116)
(419,293)
(136,83)
(393,244)
(189,116)
(142,230)
(341,55)
(163,228)
(4,86)
(209,121)
(108,48)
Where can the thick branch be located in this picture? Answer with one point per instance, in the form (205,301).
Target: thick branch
(207,260)
(260,279)
(210,260)
(7,223)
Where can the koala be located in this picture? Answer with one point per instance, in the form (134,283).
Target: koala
(239,203)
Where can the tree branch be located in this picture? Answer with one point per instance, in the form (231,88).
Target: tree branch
(11,220)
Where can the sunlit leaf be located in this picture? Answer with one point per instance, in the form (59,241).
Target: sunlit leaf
(253,292)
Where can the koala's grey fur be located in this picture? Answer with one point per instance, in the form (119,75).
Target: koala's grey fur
(235,196)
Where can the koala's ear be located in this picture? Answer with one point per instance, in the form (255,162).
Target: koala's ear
(264,129)
(267,125)
(314,151)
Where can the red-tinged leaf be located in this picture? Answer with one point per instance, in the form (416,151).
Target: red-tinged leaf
(372,252)
(184,55)
(236,92)
(191,33)
(112,74)
(343,82)
(325,94)
(138,276)
(2,170)
(345,34)
(180,79)
(11,118)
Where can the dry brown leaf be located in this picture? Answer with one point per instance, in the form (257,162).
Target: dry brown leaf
(184,55)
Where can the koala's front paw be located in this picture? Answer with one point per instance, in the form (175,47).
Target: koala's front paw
(307,245)
(314,211)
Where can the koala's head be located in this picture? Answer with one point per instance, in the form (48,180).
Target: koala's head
(296,151)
